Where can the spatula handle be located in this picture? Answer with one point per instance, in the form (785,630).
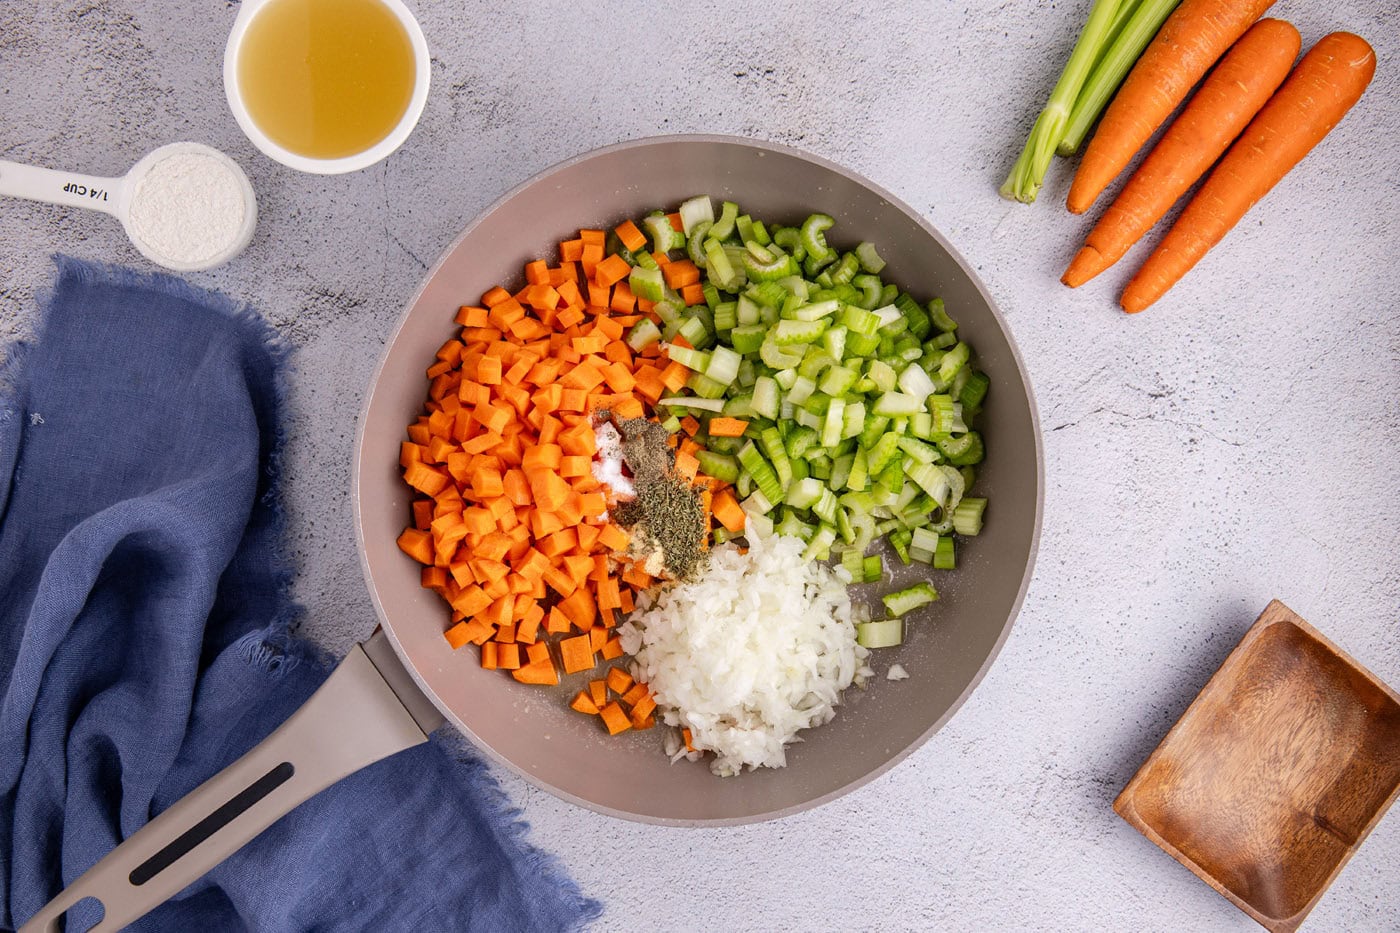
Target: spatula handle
(352,721)
(67,188)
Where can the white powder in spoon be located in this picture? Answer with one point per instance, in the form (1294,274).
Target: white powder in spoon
(188,208)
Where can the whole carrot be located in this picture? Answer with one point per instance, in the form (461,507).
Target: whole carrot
(1189,42)
(1227,100)
(1319,92)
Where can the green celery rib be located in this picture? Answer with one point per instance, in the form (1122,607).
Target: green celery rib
(1027,175)
(1112,68)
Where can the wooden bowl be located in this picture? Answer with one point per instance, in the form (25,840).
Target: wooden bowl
(1275,774)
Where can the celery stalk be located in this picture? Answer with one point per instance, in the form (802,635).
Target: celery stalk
(1027,175)
(1112,68)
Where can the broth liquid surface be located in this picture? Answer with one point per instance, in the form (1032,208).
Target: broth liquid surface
(326,79)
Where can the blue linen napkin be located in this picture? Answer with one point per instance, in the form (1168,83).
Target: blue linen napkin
(145,644)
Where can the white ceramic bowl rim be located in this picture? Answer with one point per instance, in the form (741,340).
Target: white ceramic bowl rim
(422,74)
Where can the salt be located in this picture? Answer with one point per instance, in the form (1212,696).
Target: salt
(189,208)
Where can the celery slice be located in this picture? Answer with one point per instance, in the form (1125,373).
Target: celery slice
(907,600)
(886,633)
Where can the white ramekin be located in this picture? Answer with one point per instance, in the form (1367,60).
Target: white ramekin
(349,163)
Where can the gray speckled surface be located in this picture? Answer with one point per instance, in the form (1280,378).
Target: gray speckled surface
(1236,443)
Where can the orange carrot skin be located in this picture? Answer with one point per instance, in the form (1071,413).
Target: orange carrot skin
(1225,103)
(1191,40)
(1319,92)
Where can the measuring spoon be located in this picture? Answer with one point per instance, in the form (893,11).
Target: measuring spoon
(118,197)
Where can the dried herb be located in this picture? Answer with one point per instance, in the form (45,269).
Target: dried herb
(667,510)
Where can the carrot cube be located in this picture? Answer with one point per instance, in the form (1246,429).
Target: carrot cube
(608,595)
(614,718)
(542,456)
(537,653)
(547,488)
(458,635)
(556,623)
(417,544)
(612,648)
(528,628)
(634,694)
(613,538)
(618,680)
(508,657)
(612,270)
(468,316)
(537,672)
(598,692)
(631,237)
(576,653)
(584,703)
(486,483)
(488,655)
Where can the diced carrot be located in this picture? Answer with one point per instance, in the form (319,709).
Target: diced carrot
(458,635)
(612,648)
(537,653)
(556,623)
(574,465)
(633,695)
(537,672)
(571,250)
(726,510)
(584,703)
(579,608)
(686,465)
(614,718)
(598,692)
(674,376)
(614,538)
(619,681)
(611,270)
(468,316)
(727,427)
(631,237)
(426,479)
(417,544)
(527,629)
(489,654)
(508,656)
(576,654)
(608,595)
(547,488)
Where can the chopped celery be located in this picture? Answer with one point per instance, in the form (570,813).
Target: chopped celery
(886,633)
(967,517)
(859,397)
(696,211)
(870,260)
(943,556)
(721,466)
(642,335)
(907,600)
(664,237)
(874,569)
(647,283)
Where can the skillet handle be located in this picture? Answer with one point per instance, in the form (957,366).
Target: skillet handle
(353,720)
